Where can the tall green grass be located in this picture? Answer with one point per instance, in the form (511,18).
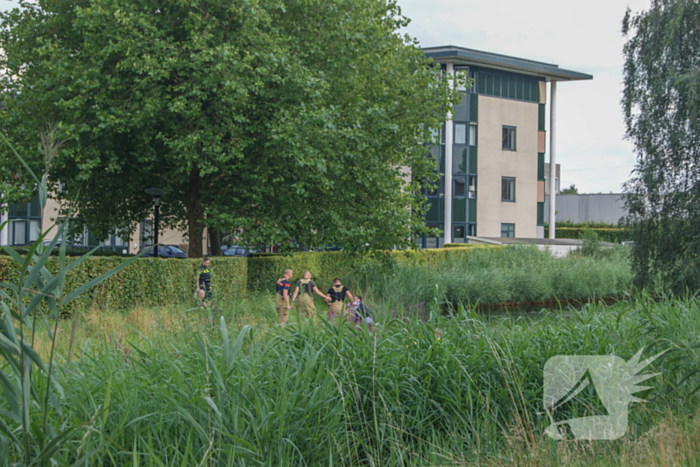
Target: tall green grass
(522,274)
(327,395)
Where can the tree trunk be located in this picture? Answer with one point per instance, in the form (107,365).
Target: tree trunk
(215,240)
(195,215)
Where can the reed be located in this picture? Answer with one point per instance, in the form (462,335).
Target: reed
(406,394)
(521,274)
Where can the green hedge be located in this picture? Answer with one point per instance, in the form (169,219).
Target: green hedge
(264,270)
(608,234)
(151,282)
(147,282)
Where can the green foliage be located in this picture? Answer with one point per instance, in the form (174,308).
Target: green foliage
(264,270)
(605,234)
(336,396)
(521,274)
(146,282)
(572,190)
(588,224)
(661,104)
(32,391)
(276,120)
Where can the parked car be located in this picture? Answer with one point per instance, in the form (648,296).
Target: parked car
(165,251)
(46,243)
(235,250)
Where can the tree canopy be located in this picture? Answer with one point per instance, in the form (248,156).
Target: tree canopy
(277,120)
(661,104)
(572,190)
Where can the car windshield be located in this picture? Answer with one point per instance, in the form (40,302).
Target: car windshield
(176,250)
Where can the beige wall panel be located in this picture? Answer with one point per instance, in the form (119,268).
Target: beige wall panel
(165,237)
(540,191)
(541,141)
(494,163)
(543,92)
(48,217)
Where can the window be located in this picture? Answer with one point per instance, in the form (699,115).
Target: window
(507,86)
(25,222)
(509,138)
(472,230)
(146,233)
(472,134)
(460,133)
(458,234)
(472,187)
(459,187)
(434,135)
(508,230)
(434,242)
(436,189)
(508,189)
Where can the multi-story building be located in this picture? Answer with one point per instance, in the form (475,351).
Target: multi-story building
(27,221)
(492,147)
(491,157)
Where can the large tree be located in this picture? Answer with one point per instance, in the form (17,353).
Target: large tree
(662,111)
(279,120)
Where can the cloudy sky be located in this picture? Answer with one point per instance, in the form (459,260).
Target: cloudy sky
(579,36)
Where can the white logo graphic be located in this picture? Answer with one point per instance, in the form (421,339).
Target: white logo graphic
(609,382)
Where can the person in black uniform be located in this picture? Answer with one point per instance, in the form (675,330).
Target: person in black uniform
(335,305)
(204,279)
(282,288)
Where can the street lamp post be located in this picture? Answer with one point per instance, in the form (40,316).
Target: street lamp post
(156,193)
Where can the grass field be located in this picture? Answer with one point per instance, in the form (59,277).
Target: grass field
(165,387)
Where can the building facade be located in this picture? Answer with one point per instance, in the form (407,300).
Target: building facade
(609,208)
(492,147)
(27,221)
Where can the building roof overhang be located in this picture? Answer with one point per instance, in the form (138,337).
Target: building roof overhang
(464,56)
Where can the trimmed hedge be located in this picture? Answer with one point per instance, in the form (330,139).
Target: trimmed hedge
(608,234)
(147,282)
(158,282)
(265,269)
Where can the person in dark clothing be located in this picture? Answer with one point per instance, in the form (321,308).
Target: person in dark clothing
(308,288)
(282,288)
(361,311)
(335,305)
(204,279)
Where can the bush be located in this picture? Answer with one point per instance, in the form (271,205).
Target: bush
(264,269)
(515,274)
(146,282)
(606,234)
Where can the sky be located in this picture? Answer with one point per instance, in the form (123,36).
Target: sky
(578,36)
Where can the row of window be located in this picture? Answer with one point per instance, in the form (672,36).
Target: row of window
(508,86)
(458,234)
(24,228)
(460,189)
(460,135)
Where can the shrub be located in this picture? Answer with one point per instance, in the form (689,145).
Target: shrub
(146,282)
(607,234)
